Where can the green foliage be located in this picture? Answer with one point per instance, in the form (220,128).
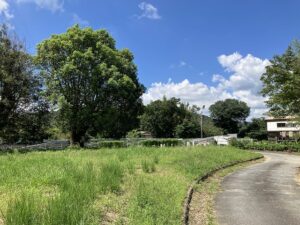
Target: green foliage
(282,81)
(209,128)
(168,118)
(94,84)
(161,142)
(162,116)
(229,114)
(266,145)
(256,129)
(188,129)
(111,144)
(24,111)
(134,134)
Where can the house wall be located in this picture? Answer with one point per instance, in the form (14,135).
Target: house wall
(272,126)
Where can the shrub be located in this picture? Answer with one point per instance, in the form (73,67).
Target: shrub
(266,145)
(161,142)
(241,143)
(111,144)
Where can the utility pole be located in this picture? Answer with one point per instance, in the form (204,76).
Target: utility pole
(203,107)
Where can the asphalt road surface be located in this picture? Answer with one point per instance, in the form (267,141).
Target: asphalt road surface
(262,194)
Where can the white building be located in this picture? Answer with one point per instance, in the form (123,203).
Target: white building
(282,128)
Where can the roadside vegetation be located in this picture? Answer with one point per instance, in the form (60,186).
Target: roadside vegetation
(266,145)
(108,186)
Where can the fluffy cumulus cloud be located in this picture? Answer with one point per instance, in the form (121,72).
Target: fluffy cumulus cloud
(4,10)
(243,83)
(52,5)
(149,11)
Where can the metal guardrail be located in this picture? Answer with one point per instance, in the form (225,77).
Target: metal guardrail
(46,145)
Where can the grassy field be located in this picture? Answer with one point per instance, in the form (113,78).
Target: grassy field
(107,186)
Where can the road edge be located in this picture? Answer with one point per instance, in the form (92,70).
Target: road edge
(189,195)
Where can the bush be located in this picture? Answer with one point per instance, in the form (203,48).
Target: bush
(265,145)
(111,144)
(161,142)
(241,143)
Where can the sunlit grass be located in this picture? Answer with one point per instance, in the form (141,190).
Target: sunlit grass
(111,186)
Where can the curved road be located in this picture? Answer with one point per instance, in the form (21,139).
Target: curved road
(263,194)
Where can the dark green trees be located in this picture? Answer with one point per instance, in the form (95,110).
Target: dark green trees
(229,114)
(282,82)
(256,129)
(20,99)
(168,118)
(162,116)
(93,83)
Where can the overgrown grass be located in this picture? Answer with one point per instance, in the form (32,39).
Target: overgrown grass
(111,186)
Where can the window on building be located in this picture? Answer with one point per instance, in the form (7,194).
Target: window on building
(281,125)
(291,125)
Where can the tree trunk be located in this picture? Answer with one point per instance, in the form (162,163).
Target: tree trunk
(77,138)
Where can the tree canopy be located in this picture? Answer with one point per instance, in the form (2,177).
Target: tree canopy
(162,116)
(256,129)
(281,82)
(169,118)
(21,102)
(92,83)
(229,114)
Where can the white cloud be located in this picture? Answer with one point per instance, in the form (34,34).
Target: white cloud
(52,5)
(193,93)
(181,64)
(78,20)
(243,83)
(4,10)
(149,11)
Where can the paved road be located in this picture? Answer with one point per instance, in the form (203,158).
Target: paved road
(263,194)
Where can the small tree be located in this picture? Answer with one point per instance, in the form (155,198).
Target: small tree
(91,81)
(229,114)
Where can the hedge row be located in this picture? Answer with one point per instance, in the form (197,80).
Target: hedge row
(266,145)
(108,144)
(161,142)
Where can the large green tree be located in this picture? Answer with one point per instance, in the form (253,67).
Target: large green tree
(91,81)
(281,82)
(20,88)
(168,118)
(162,116)
(229,114)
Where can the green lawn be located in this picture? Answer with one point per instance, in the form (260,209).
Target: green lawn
(107,186)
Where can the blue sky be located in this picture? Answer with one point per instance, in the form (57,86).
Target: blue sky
(199,50)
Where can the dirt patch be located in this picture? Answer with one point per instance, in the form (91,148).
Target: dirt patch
(202,205)
(201,209)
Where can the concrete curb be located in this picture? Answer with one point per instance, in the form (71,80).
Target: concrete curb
(189,196)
